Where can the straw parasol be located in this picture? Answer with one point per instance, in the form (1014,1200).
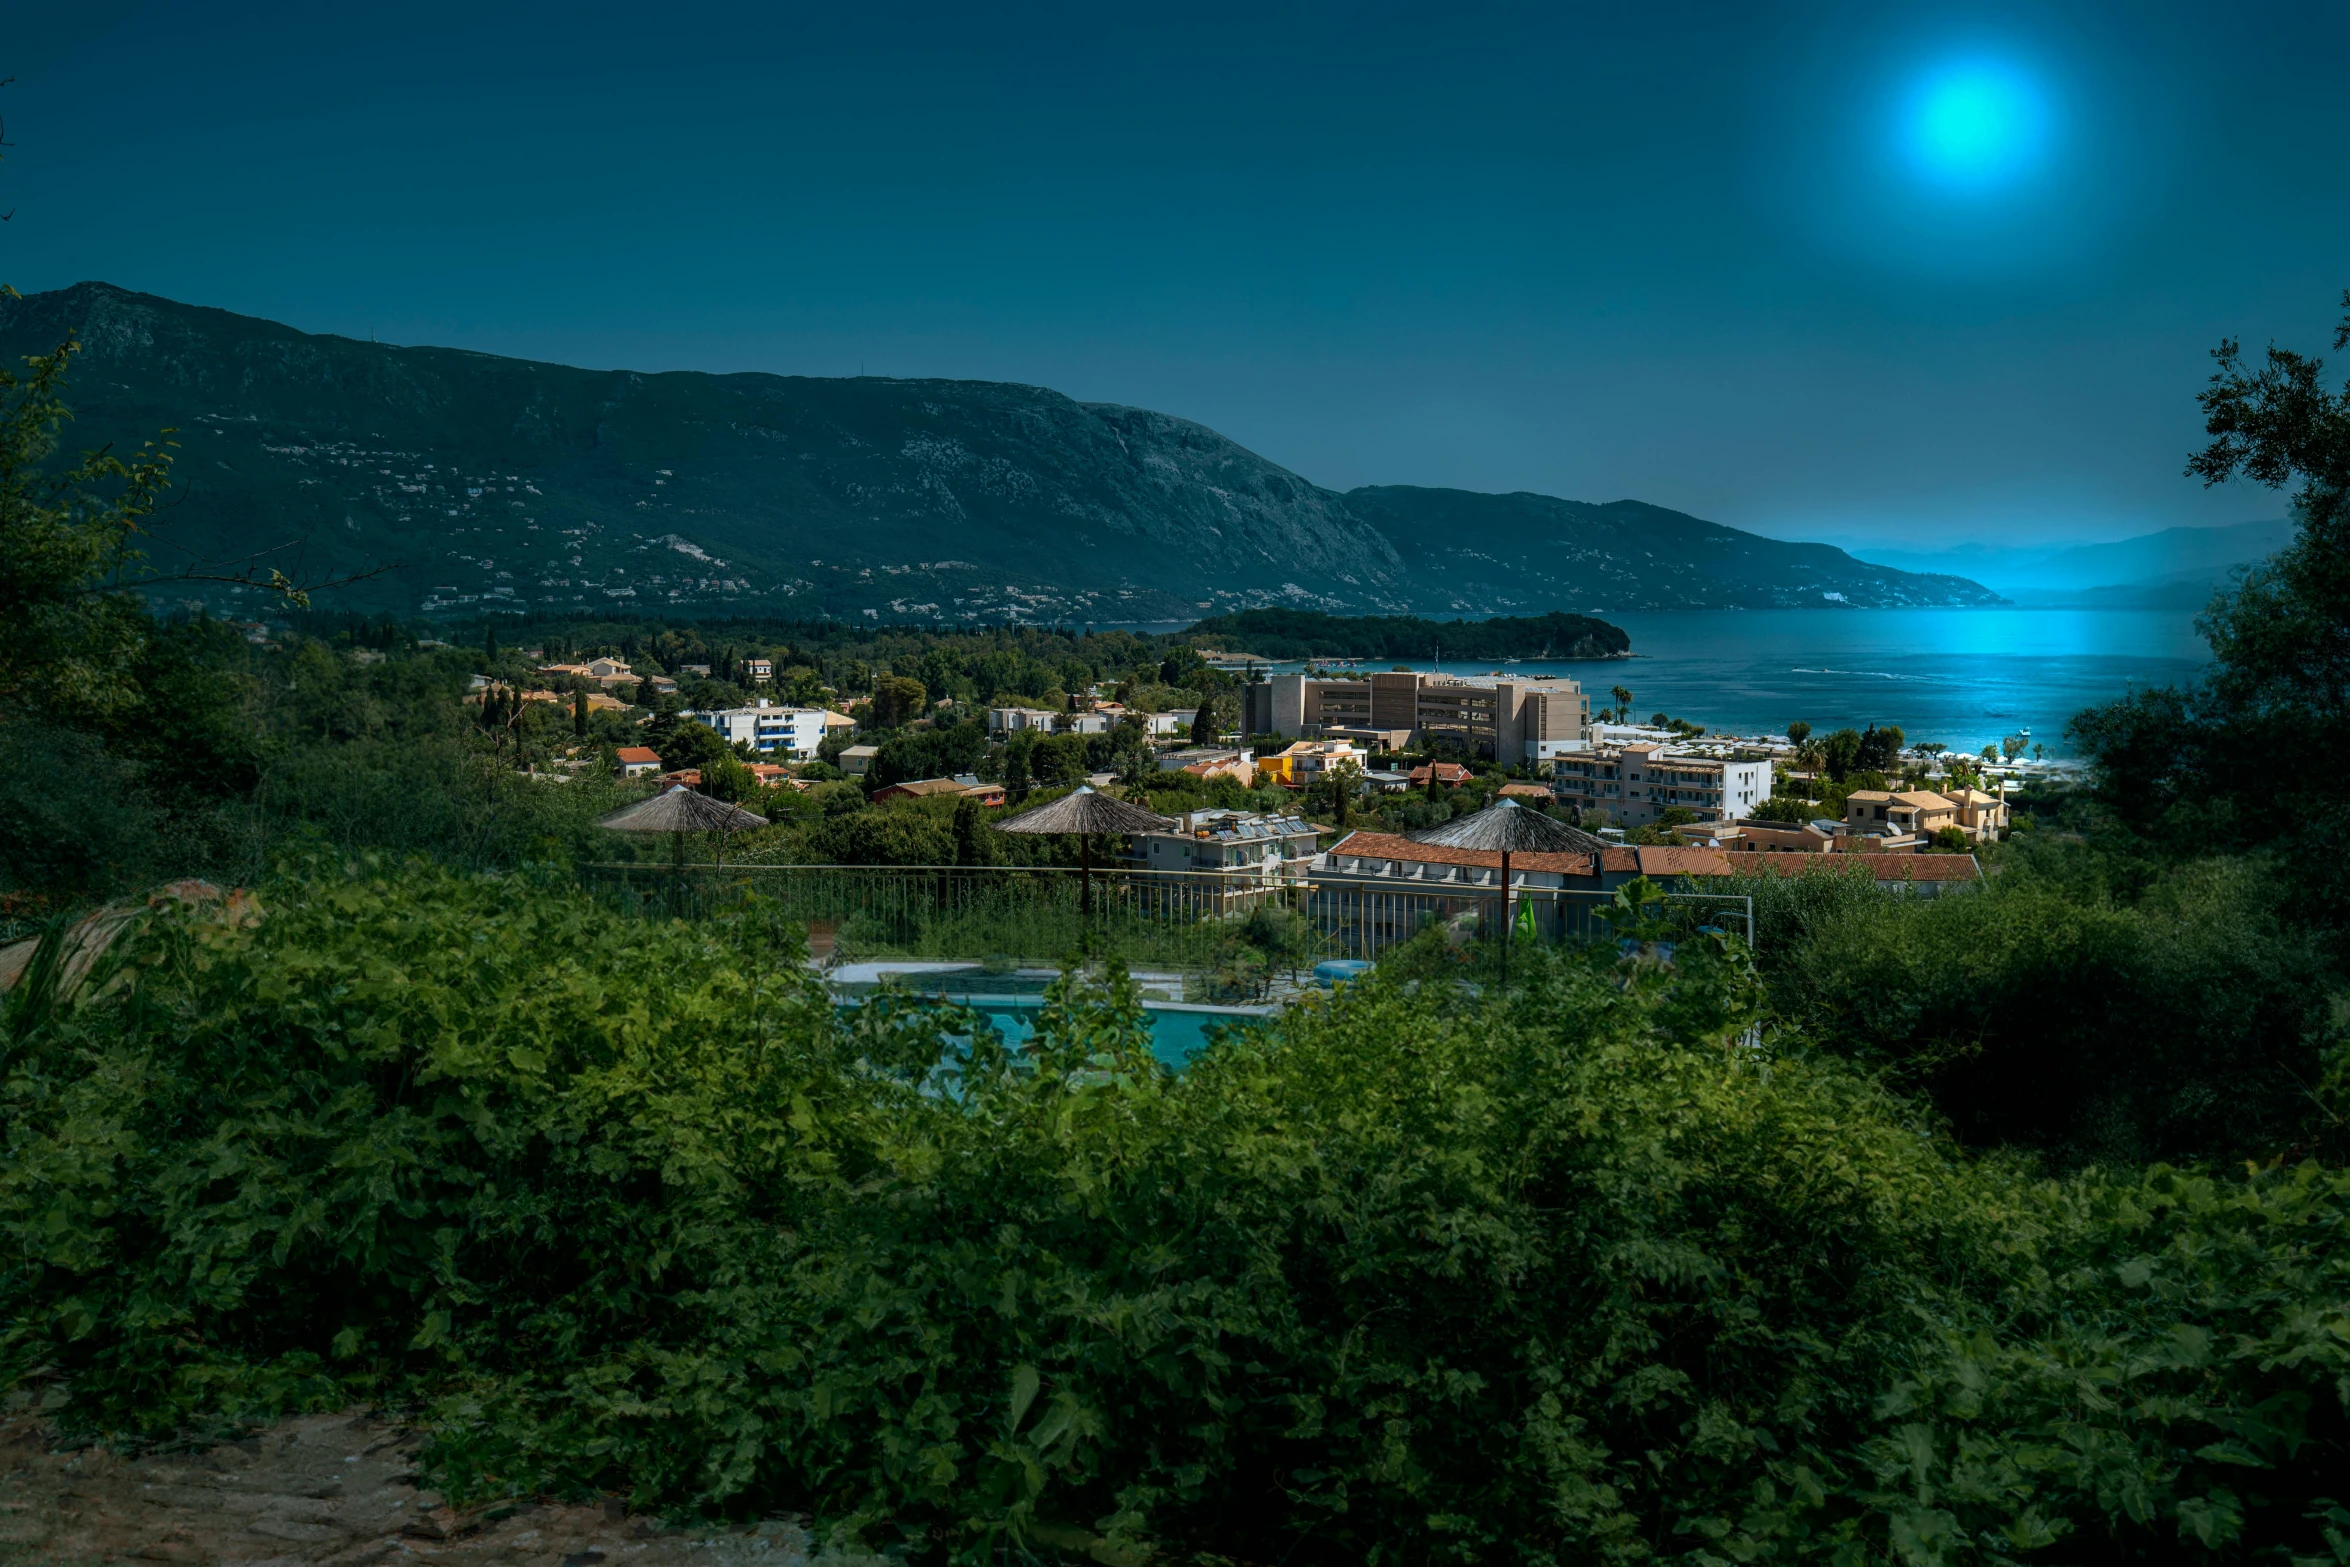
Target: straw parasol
(1508,827)
(680,810)
(1085,811)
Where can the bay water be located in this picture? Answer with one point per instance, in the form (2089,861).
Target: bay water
(1964,677)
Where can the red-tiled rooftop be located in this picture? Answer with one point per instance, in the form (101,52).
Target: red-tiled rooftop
(1644,860)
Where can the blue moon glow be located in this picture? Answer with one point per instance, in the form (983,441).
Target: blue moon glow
(1974,127)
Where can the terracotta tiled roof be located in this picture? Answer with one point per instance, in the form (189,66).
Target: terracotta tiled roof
(923,786)
(1644,860)
(1665,860)
(1393,846)
(635,754)
(1923,797)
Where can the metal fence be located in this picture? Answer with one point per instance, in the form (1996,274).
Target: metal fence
(1184,918)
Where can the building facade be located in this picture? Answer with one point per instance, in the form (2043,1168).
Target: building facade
(1279,848)
(1493,717)
(764,727)
(1633,785)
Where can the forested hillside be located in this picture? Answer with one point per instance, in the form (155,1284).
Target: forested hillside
(474,481)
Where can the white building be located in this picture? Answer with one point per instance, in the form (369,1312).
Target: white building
(1635,784)
(795,731)
(1007,720)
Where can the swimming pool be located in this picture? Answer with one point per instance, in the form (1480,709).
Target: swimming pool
(959,978)
(1179,1030)
(1010,1001)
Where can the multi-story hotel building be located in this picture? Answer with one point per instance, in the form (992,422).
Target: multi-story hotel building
(1499,718)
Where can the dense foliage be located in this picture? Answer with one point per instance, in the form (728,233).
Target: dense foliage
(1564,1275)
(2188,1018)
(2256,757)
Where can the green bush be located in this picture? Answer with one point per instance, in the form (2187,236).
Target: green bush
(2041,1011)
(1566,1275)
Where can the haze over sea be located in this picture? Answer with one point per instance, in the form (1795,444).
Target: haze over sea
(1965,677)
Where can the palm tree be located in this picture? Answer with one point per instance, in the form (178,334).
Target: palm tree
(1623,702)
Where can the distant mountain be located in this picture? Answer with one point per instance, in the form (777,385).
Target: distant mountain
(1473,552)
(493,482)
(2175,568)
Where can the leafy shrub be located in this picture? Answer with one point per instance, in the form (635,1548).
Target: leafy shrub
(2190,1023)
(1566,1274)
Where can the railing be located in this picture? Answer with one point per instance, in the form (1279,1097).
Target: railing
(1187,919)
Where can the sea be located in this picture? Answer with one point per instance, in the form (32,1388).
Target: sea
(1964,677)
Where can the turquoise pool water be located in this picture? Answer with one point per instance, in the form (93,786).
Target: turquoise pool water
(1178,1032)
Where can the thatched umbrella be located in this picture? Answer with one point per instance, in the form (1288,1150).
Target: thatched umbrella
(680,810)
(1509,828)
(1084,811)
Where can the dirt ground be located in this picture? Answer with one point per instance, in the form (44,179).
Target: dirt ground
(337,1489)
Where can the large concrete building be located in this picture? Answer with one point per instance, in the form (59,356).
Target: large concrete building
(1501,718)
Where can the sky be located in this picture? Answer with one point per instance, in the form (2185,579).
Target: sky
(1914,275)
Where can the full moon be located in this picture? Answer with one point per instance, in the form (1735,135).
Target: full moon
(1974,127)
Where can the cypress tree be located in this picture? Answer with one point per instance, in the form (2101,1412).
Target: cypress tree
(579,714)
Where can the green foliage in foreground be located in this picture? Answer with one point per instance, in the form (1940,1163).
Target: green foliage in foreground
(1564,1276)
(2188,1019)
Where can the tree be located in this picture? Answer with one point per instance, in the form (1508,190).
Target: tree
(1018,779)
(2178,765)
(692,745)
(1879,749)
(579,713)
(1623,701)
(1840,753)
(1798,732)
(1135,769)
(69,539)
(974,842)
(724,777)
(898,701)
(1203,723)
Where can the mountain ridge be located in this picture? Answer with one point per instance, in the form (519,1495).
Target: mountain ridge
(500,483)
